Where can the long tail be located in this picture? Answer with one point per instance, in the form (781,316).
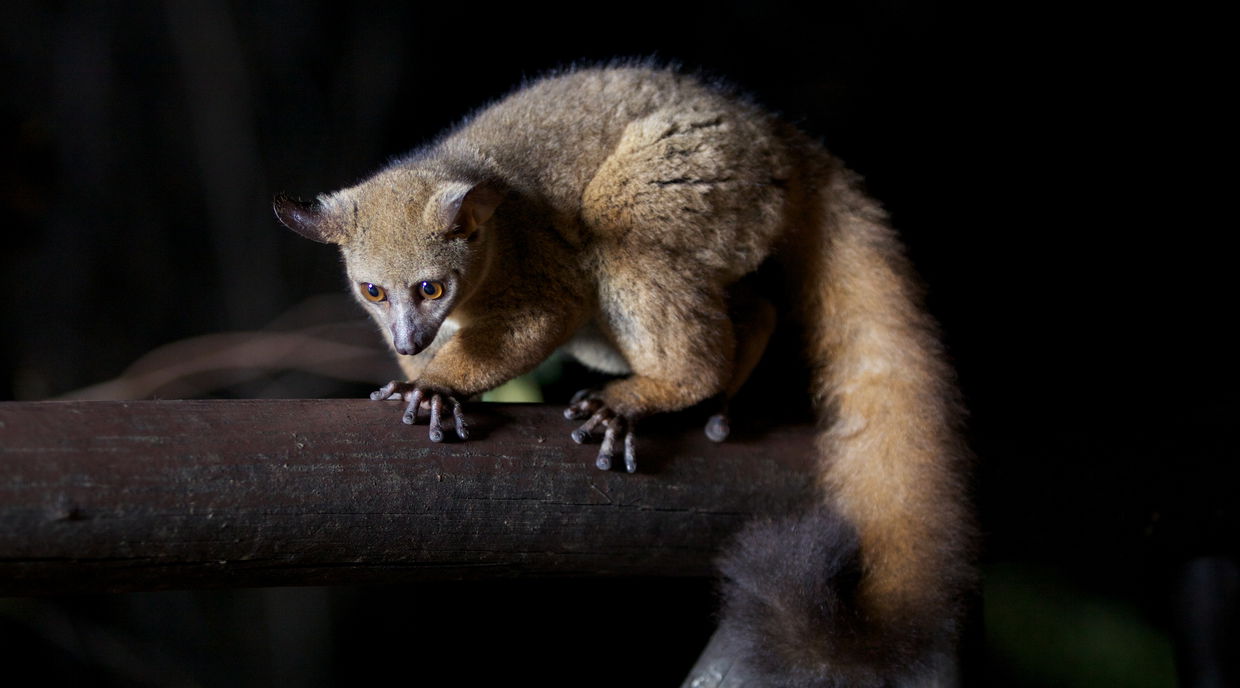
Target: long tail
(869,588)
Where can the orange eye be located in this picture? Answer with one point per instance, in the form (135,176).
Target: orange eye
(431,290)
(372,292)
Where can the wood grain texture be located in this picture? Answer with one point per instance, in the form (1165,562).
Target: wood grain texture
(111,496)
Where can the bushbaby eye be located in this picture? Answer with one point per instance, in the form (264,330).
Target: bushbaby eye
(372,292)
(431,290)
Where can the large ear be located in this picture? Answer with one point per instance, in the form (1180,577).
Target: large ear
(310,220)
(468,207)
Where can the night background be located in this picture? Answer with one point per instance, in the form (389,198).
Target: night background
(1041,163)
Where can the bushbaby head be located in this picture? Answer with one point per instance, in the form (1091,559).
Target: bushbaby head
(414,246)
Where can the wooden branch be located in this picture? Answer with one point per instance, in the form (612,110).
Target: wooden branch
(109,496)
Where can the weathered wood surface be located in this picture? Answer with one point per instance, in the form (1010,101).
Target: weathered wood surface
(109,496)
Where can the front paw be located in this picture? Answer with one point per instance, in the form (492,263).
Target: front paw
(616,428)
(417,394)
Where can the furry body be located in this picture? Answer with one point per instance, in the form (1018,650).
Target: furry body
(612,213)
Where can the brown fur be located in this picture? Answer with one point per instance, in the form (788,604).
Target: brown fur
(633,201)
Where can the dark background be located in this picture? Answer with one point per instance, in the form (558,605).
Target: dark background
(1045,165)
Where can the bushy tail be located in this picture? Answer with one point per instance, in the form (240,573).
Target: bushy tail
(869,589)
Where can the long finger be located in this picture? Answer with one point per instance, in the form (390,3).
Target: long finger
(462,430)
(582,433)
(436,427)
(607,451)
(415,403)
(385,392)
(630,451)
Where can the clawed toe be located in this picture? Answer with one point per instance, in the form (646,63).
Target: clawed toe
(607,452)
(601,415)
(417,397)
(618,438)
(392,390)
(613,428)
(435,422)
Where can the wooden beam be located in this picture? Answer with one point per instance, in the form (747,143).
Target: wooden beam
(111,496)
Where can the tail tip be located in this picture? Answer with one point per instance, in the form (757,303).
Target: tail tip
(790,606)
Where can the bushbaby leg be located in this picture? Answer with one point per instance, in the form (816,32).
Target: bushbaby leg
(753,321)
(673,367)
